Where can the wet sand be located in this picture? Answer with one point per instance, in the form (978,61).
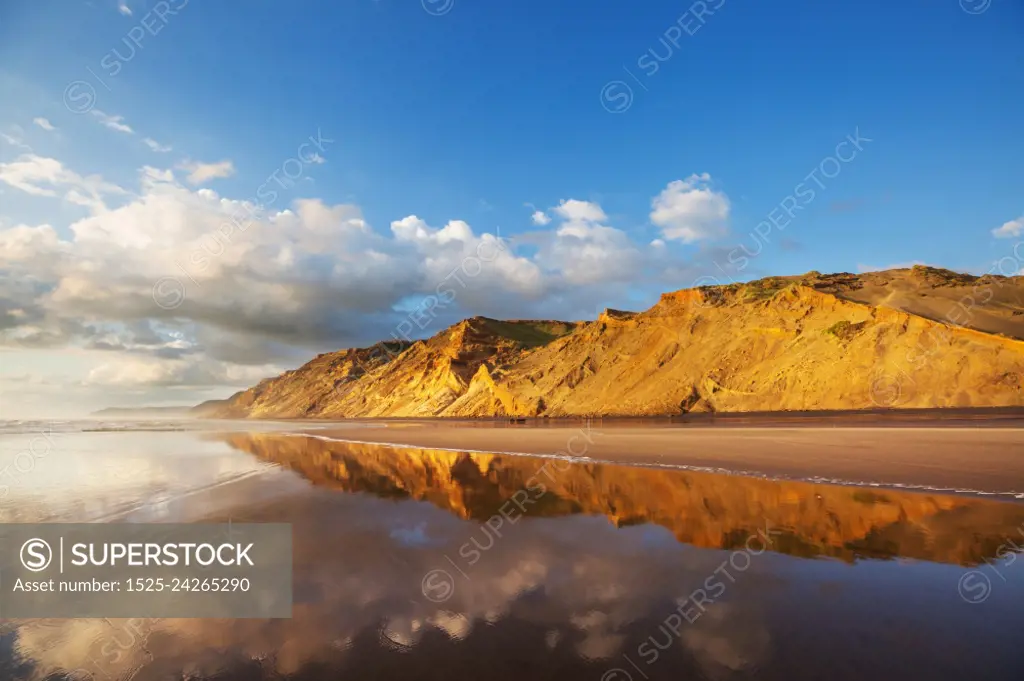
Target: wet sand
(433,565)
(938,455)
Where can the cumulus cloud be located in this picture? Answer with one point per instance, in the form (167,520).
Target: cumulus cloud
(541,218)
(580,211)
(123,8)
(156,146)
(479,267)
(44,124)
(200,173)
(1009,230)
(587,251)
(311,275)
(180,286)
(22,242)
(690,210)
(113,122)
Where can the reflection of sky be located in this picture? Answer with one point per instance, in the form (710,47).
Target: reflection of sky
(411,536)
(561,598)
(84,476)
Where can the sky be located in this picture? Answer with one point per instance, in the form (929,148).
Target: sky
(198,195)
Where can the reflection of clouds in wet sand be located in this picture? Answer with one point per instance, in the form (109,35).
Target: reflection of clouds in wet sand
(572,593)
(584,590)
(727,639)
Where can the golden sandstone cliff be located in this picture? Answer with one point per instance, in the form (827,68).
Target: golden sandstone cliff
(703,509)
(908,338)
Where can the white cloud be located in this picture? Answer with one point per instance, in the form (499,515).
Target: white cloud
(199,173)
(278,285)
(31,174)
(15,138)
(486,261)
(147,371)
(14,141)
(44,124)
(690,210)
(41,176)
(585,251)
(539,217)
(1009,230)
(156,146)
(123,8)
(583,211)
(22,242)
(311,275)
(113,122)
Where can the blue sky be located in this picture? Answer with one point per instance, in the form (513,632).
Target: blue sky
(484,113)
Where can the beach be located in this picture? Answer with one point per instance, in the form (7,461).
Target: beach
(974,456)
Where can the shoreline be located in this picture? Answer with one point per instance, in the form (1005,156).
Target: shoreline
(949,458)
(936,417)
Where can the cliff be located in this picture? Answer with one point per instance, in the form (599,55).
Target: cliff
(920,337)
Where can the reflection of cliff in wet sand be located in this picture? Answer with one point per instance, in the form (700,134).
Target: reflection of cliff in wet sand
(702,509)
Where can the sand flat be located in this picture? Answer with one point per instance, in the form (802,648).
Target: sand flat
(417,563)
(981,459)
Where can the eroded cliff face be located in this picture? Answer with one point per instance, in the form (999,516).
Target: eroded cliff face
(703,509)
(431,376)
(920,337)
